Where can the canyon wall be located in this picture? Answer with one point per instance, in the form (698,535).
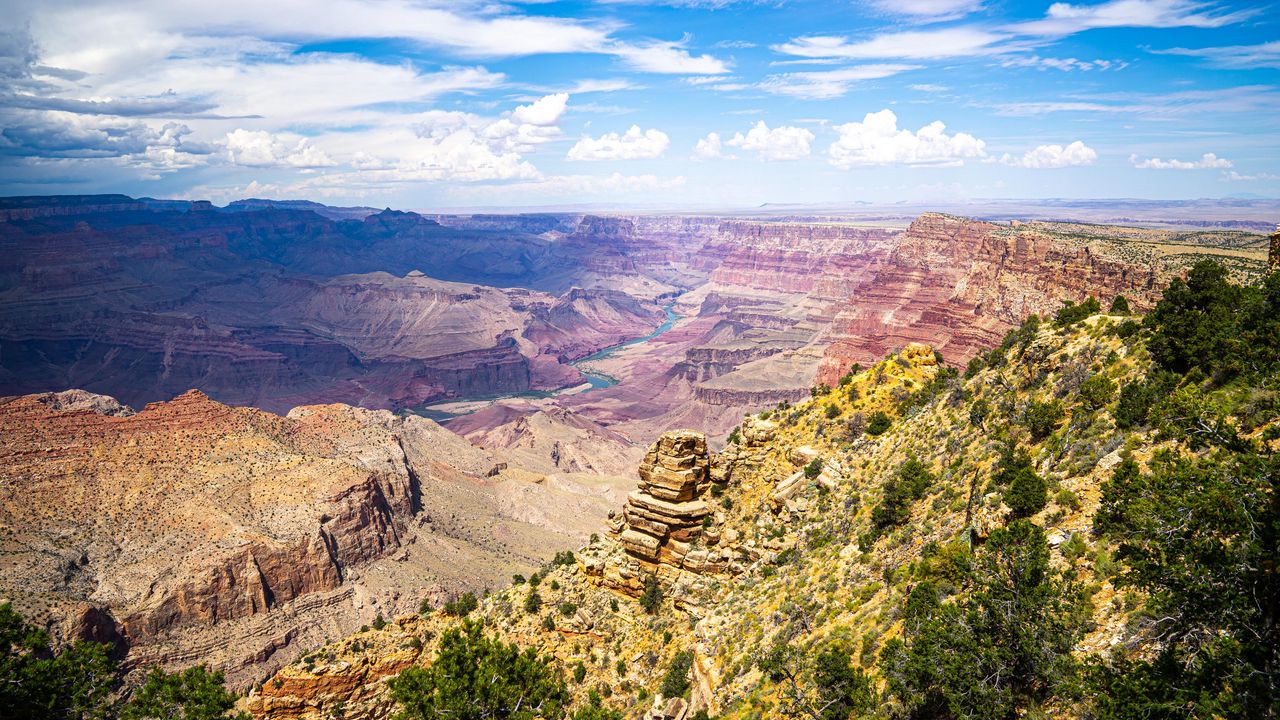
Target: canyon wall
(280,306)
(193,531)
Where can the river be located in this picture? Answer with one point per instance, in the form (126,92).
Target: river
(597,380)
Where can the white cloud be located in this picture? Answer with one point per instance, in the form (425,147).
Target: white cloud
(1077,154)
(929,88)
(823,85)
(1065,18)
(1208,161)
(158,22)
(1063,64)
(634,144)
(668,58)
(259,148)
(602,86)
(930,10)
(542,112)
(878,141)
(912,44)
(1233,176)
(1245,99)
(709,148)
(1266,55)
(780,143)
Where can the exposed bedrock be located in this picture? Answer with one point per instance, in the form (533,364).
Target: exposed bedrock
(960,284)
(193,531)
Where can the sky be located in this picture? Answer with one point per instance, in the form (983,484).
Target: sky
(628,103)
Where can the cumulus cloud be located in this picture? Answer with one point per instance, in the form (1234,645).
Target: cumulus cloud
(259,148)
(1208,161)
(634,144)
(668,58)
(823,85)
(59,135)
(1077,154)
(877,140)
(709,148)
(780,143)
(544,111)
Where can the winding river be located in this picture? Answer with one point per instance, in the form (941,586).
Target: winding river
(597,380)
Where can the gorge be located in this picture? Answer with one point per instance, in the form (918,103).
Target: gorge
(284,481)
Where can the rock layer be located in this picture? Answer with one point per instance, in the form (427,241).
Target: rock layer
(193,531)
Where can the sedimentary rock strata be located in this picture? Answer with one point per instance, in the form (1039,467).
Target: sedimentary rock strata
(666,528)
(191,530)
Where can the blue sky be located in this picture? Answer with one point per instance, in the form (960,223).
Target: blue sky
(685,103)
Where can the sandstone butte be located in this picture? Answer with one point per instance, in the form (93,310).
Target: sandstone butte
(191,531)
(748,548)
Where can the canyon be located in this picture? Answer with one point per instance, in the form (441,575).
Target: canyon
(279,487)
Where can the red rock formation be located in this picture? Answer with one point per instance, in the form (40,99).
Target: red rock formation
(960,284)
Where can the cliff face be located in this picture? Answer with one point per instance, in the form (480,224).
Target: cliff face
(193,530)
(960,284)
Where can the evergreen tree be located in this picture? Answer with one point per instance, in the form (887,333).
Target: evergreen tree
(193,694)
(38,684)
(1000,649)
(1198,537)
(478,677)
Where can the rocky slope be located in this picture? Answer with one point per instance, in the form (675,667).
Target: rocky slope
(775,539)
(193,531)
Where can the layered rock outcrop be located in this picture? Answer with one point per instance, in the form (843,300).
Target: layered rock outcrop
(191,531)
(666,529)
(960,284)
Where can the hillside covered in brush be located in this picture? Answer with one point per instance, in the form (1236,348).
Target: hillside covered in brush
(1080,523)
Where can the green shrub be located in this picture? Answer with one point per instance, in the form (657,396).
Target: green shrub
(192,694)
(1027,494)
(1071,313)
(476,676)
(461,606)
(1097,391)
(676,682)
(1018,623)
(879,423)
(532,602)
(1127,329)
(910,483)
(651,598)
(1041,418)
(813,469)
(1223,329)
(1197,541)
(1119,306)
